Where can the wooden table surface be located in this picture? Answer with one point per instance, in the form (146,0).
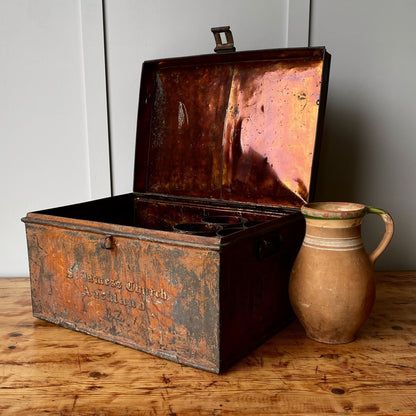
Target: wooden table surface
(46,369)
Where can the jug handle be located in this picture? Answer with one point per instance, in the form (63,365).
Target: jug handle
(388,234)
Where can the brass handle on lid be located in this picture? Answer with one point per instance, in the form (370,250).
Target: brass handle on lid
(221,47)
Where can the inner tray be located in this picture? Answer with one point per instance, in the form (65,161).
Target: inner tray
(161,213)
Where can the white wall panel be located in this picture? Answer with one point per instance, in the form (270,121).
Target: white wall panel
(44,151)
(298,23)
(369,147)
(95,88)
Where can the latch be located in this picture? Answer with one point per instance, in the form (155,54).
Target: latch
(107,242)
(223,47)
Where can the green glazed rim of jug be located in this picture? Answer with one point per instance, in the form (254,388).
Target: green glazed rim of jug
(333,210)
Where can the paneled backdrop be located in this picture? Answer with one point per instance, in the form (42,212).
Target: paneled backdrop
(69,82)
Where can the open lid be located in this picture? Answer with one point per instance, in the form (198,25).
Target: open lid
(241,126)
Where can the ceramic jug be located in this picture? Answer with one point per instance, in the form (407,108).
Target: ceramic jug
(332,283)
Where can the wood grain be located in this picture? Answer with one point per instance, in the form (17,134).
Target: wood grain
(46,369)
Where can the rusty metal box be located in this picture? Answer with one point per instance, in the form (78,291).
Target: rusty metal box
(231,135)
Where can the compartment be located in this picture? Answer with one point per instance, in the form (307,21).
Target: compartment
(162,213)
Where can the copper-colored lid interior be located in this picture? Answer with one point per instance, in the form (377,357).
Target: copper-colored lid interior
(241,127)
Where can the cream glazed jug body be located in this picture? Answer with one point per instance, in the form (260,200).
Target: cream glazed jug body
(332,283)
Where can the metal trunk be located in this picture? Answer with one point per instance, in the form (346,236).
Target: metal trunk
(233,135)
